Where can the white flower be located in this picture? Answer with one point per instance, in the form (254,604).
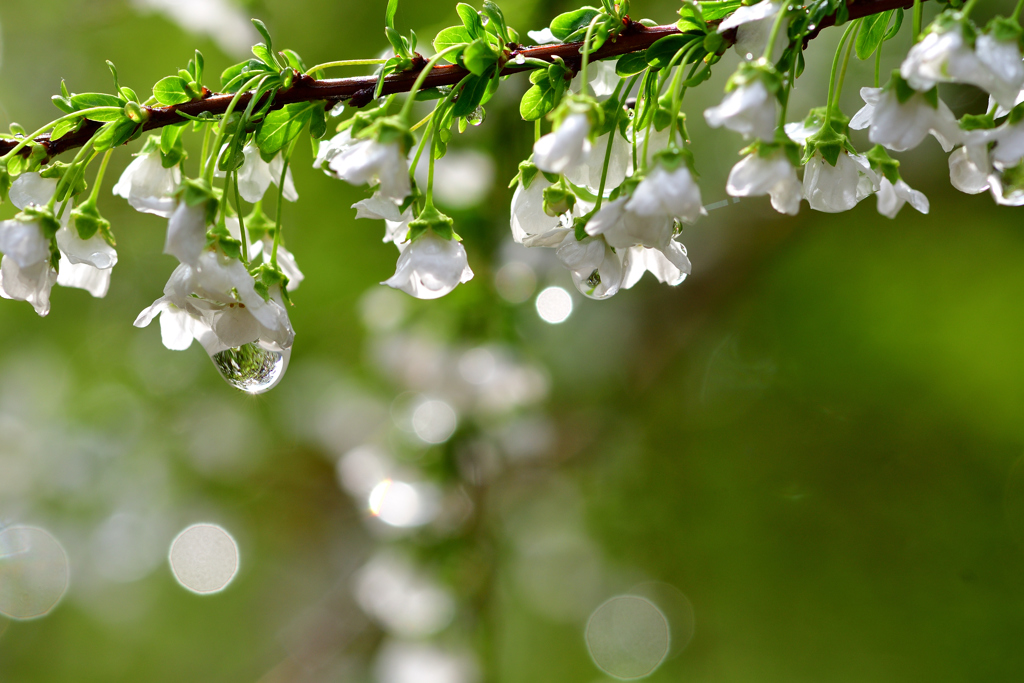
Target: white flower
(371,162)
(256,175)
(543,36)
(941,57)
(1009,148)
(902,126)
(148,186)
(1005,67)
(969,169)
(587,173)
(838,188)
(379,207)
(753,26)
(85,264)
(891,198)
(669,264)
(799,131)
(25,271)
(527,210)
(597,270)
(430,267)
(667,193)
(748,109)
(623,228)
(774,175)
(564,148)
(332,148)
(601,78)
(215,302)
(186,233)
(1005,194)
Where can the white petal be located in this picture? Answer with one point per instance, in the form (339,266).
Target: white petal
(186,233)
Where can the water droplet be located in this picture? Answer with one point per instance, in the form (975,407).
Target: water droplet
(251,367)
(338,109)
(477,117)
(520,59)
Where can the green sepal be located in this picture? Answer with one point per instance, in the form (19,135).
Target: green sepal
(829,142)
(198,191)
(267,276)
(977,121)
(48,223)
(1016,114)
(390,129)
(883,163)
(432,219)
(58,169)
(557,200)
(87,221)
(759,70)
(258,224)
(673,156)
(1004,29)
(527,172)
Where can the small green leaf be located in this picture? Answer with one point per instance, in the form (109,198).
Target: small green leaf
(479,57)
(660,54)
(280,127)
(535,103)
(871,34)
(231,73)
(200,65)
(129,94)
(564,25)
(631,64)
(264,54)
(94,99)
(262,28)
(113,134)
(65,127)
(453,35)
(389,15)
(113,72)
(171,148)
(294,60)
(171,90)
(63,103)
(470,19)
(471,96)
(318,122)
(497,17)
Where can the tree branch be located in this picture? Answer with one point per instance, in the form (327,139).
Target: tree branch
(635,37)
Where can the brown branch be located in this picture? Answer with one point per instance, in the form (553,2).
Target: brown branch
(635,37)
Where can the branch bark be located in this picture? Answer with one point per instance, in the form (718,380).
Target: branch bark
(634,38)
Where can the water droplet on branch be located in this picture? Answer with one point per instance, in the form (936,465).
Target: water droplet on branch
(251,367)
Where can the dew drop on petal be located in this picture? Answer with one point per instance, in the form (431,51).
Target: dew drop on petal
(251,368)
(33,572)
(628,637)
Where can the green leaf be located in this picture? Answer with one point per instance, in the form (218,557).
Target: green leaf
(65,127)
(871,34)
(171,149)
(535,103)
(94,99)
(895,28)
(231,73)
(63,103)
(200,66)
(171,90)
(453,35)
(264,54)
(113,72)
(389,15)
(294,60)
(479,57)
(497,20)
(114,133)
(471,96)
(318,122)
(564,25)
(129,94)
(660,54)
(262,28)
(282,126)
(631,64)
(470,19)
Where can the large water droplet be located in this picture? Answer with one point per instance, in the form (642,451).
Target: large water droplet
(252,368)
(477,116)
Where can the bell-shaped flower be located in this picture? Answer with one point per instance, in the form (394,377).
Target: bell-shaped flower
(833,188)
(1007,186)
(601,78)
(587,173)
(85,264)
(26,273)
(564,148)
(668,191)
(147,185)
(892,197)
(186,233)
(255,175)
(1008,150)
(669,264)
(331,148)
(216,303)
(377,159)
(753,24)
(899,118)
(260,240)
(767,170)
(748,107)
(942,56)
(623,228)
(433,262)
(1004,64)
(596,268)
(527,211)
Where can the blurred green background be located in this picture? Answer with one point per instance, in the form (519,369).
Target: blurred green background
(813,444)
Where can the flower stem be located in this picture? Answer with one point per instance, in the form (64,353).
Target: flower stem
(280,202)
(776,26)
(586,53)
(918,16)
(424,72)
(211,161)
(241,221)
(966,11)
(98,181)
(832,78)
(846,63)
(432,117)
(69,176)
(1018,9)
(344,62)
(608,149)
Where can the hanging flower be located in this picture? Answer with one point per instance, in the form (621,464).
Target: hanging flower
(332,148)
(148,186)
(969,169)
(1003,61)
(668,191)
(587,173)
(434,261)
(753,24)
(597,270)
(26,273)
(186,233)
(623,228)
(899,117)
(255,175)
(892,197)
(833,188)
(1007,186)
(564,148)
(601,78)
(527,211)
(379,207)
(669,264)
(749,105)
(767,170)
(377,158)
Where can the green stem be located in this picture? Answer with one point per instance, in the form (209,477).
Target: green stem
(586,53)
(785,102)
(1018,10)
(608,149)
(918,15)
(424,72)
(832,78)
(69,177)
(211,161)
(31,138)
(776,26)
(878,65)
(280,203)
(344,62)
(241,221)
(433,119)
(98,181)
(969,7)
(846,63)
